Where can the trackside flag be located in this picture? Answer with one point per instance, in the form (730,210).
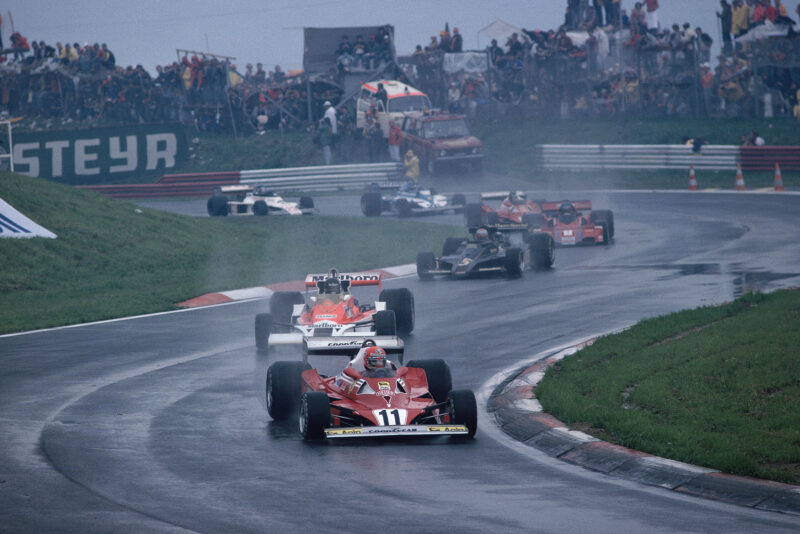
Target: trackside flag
(15,224)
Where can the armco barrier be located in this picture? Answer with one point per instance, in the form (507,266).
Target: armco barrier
(305,179)
(764,158)
(600,157)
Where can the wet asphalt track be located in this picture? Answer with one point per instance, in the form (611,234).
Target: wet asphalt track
(158,423)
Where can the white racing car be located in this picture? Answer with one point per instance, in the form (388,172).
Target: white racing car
(254,200)
(333,322)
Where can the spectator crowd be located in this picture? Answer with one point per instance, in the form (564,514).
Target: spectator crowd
(608,58)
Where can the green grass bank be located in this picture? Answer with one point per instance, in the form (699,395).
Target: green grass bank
(713,386)
(112,259)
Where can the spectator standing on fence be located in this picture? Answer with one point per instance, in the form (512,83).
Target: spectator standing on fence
(411,164)
(457,42)
(707,83)
(325,139)
(741,20)
(395,139)
(330,114)
(651,15)
(726,22)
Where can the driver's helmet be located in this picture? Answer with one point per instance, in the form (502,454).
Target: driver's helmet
(374,358)
(368,343)
(566,208)
(333,286)
(481,234)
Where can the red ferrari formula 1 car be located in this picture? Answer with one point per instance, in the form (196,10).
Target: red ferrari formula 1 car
(371,397)
(565,220)
(333,321)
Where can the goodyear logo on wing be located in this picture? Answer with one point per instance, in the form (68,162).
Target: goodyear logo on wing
(447,428)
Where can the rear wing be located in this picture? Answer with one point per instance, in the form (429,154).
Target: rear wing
(239,188)
(367,278)
(501,195)
(580,205)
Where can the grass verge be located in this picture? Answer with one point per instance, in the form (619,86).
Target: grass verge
(112,259)
(714,386)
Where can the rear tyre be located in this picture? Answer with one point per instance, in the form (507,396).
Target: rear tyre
(426,262)
(607,216)
(315,415)
(263,330)
(217,206)
(284,382)
(403,207)
(451,245)
(514,262)
(606,236)
(440,381)
(385,323)
(371,204)
(401,302)
(473,215)
(458,200)
(260,208)
(542,249)
(464,410)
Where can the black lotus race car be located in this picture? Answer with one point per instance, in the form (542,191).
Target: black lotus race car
(506,249)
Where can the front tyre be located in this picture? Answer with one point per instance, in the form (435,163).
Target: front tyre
(385,323)
(260,208)
(464,410)
(284,382)
(263,330)
(315,415)
(514,262)
(426,262)
(217,206)
(437,372)
(371,203)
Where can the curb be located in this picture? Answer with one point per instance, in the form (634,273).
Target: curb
(520,415)
(262,292)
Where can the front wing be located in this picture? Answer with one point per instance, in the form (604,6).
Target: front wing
(397,430)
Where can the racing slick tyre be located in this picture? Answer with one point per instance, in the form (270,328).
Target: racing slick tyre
(385,323)
(315,415)
(306,203)
(263,330)
(217,206)
(514,262)
(598,216)
(371,204)
(473,215)
(426,262)
(492,218)
(534,220)
(403,207)
(440,382)
(260,208)
(606,233)
(401,302)
(284,382)
(458,200)
(451,244)
(281,305)
(543,250)
(464,410)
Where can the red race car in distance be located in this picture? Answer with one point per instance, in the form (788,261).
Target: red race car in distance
(566,221)
(371,397)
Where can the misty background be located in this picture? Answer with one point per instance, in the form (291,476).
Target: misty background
(147,32)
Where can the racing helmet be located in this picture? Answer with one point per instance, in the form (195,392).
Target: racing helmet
(368,343)
(566,208)
(333,286)
(481,234)
(374,358)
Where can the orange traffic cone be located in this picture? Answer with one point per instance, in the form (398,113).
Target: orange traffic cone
(778,178)
(739,178)
(692,179)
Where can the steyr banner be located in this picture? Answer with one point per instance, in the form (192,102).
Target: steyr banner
(94,156)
